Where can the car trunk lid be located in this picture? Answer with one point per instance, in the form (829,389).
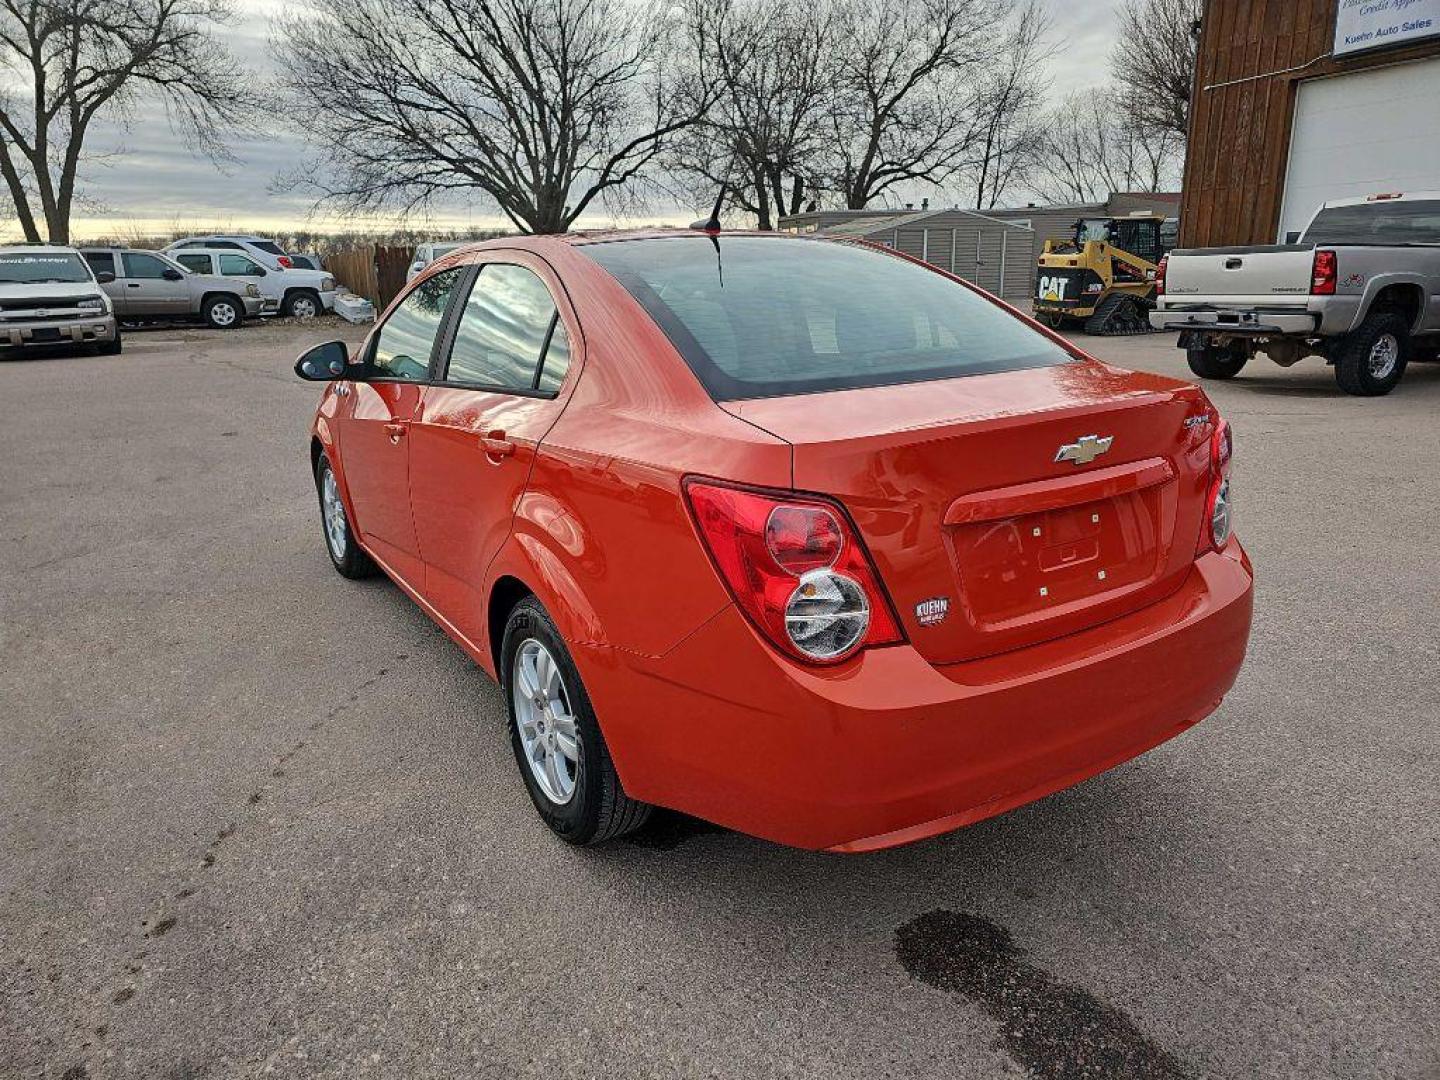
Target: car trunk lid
(1007,509)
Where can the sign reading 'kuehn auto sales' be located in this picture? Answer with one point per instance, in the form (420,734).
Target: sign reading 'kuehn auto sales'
(1373,24)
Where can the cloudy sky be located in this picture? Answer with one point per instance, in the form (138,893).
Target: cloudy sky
(148,180)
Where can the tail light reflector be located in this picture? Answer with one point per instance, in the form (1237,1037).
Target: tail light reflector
(1324,275)
(796,568)
(1160,275)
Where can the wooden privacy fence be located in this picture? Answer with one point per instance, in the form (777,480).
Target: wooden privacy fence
(374,271)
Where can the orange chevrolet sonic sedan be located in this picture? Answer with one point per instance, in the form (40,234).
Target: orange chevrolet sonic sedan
(799,536)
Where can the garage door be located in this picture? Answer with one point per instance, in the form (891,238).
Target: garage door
(1360,134)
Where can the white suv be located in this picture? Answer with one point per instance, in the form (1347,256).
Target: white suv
(268,253)
(298,293)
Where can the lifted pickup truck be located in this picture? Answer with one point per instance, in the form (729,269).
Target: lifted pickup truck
(1361,287)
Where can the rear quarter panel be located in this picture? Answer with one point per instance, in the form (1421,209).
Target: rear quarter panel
(602,533)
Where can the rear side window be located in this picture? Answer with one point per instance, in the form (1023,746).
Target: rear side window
(196,264)
(503,330)
(102,262)
(267,247)
(1382,223)
(405,340)
(763,317)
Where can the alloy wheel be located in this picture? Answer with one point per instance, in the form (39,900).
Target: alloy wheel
(223,314)
(545,721)
(334,514)
(303,307)
(1384,355)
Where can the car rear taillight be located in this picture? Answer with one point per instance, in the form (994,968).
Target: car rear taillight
(286,263)
(1216,530)
(1160,275)
(796,568)
(1324,274)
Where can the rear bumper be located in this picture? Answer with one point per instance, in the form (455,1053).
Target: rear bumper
(1237,321)
(888,749)
(52,333)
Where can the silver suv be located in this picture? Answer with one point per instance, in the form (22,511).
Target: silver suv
(48,296)
(146,286)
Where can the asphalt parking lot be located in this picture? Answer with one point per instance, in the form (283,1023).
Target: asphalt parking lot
(258,819)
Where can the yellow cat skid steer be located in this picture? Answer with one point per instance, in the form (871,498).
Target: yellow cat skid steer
(1105,277)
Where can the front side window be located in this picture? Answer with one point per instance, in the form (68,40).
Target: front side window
(403,344)
(503,329)
(140,265)
(766,317)
(1388,223)
(196,264)
(239,266)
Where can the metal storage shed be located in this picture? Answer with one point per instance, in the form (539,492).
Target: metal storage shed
(999,256)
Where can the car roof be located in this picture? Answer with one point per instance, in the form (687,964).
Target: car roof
(36,249)
(212,251)
(1380,198)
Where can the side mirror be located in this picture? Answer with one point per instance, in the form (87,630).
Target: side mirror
(104,277)
(173,275)
(259,271)
(324,362)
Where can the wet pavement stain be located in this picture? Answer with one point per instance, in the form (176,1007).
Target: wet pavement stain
(1056,1031)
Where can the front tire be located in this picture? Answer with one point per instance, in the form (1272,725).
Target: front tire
(1217,361)
(345,554)
(302,304)
(112,347)
(556,738)
(1371,359)
(223,312)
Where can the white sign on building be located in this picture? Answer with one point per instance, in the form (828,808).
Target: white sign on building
(1374,24)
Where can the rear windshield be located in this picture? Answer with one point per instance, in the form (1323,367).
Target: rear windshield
(1380,224)
(34,268)
(765,317)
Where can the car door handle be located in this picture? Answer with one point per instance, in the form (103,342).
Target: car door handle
(395,431)
(132,284)
(496,445)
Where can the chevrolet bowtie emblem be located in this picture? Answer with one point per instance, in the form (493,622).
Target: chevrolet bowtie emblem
(1085,450)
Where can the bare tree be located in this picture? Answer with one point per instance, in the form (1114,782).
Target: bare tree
(1153,62)
(904,81)
(63,63)
(1089,150)
(773,83)
(541,105)
(1011,93)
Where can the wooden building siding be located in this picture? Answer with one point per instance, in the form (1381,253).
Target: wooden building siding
(1253,54)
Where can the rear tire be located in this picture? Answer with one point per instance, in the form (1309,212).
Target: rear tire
(345,554)
(1217,361)
(551,718)
(224,312)
(1371,359)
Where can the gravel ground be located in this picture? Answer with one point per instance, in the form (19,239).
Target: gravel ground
(258,819)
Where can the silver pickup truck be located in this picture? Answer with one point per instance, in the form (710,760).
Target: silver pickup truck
(1360,287)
